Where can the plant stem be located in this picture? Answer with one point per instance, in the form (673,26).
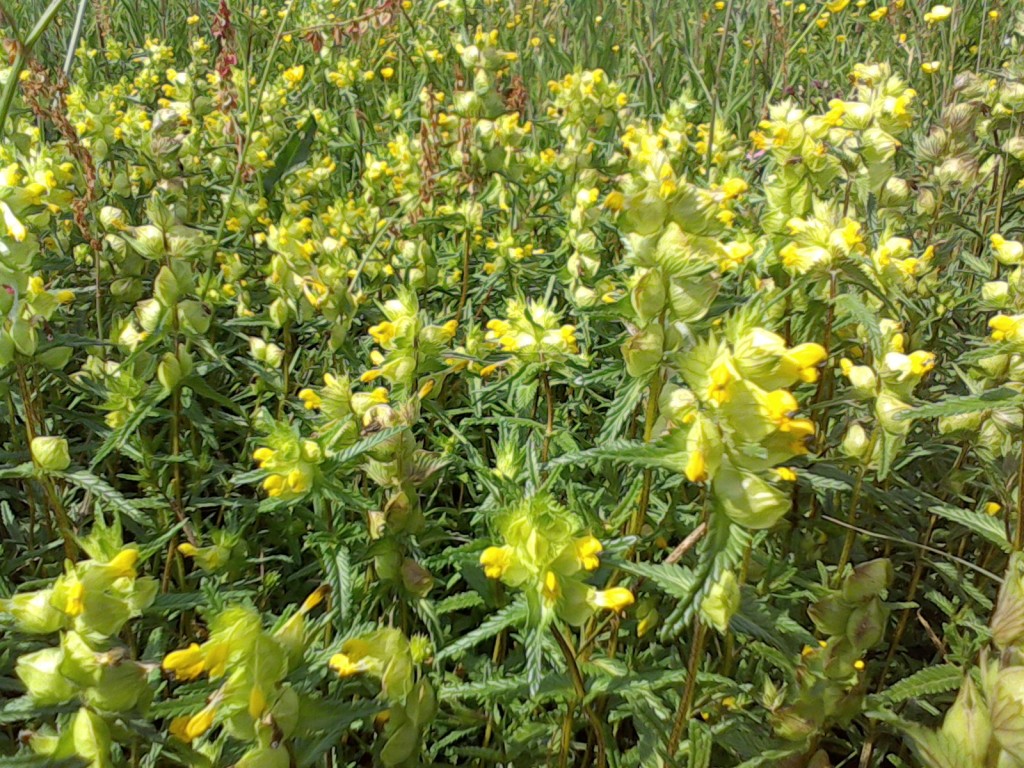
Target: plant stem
(686,703)
(581,693)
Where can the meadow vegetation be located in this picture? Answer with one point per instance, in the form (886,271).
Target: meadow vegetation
(509,383)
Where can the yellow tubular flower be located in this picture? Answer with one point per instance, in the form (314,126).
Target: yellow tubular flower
(383,333)
(262,455)
(614,599)
(344,665)
(177,727)
(921,362)
(317,597)
(779,407)
(495,560)
(186,664)
(551,589)
(1006,327)
(785,474)
(257,702)
(200,723)
(124,562)
(75,605)
(806,358)
(587,550)
(274,485)
(696,469)
(310,399)
(721,377)
(800,430)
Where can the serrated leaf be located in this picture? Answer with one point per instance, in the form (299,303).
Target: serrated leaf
(958,406)
(924,682)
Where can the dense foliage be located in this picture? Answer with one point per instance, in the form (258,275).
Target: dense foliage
(459,382)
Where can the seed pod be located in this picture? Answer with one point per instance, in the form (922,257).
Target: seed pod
(51,453)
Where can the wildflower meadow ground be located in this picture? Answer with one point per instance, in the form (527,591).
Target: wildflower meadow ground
(512,383)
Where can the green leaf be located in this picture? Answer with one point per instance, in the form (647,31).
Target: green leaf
(924,682)
(103,491)
(293,155)
(510,615)
(989,528)
(958,406)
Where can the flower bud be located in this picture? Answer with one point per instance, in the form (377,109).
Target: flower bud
(40,672)
(33,613)
(643,350)
(722,602)
(51,453)
(856,442)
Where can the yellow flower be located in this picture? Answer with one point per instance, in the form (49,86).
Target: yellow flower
(274,485)
(614,599)
(1007,251)
(200,723)
(858,665)
(785,474)
(383,333)
(993,508)
(879,13)
(721,376)
(293,75)
(836,6)
(75,605)
(263,455)
(387,73)
(496,560)
(931,67)
(551,589)
(779,407)
(177,727)
(310,399)
(735,187)
(587,550)
(186,664)
(1006,327)
(696,469)
(921,362)
(938,13)
(123,564)
(805,359)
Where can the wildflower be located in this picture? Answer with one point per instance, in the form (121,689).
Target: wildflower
(614,599)
(186,664)
(879,13)
(837,6)
(310,399)
(1007,251)
(496,560)
(931,67)
(993,508)
(587,550)
(293,75)
(938,13)
(804,360)
(200,723)
(1007,327)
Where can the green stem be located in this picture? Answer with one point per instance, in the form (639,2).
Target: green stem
(581,693)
